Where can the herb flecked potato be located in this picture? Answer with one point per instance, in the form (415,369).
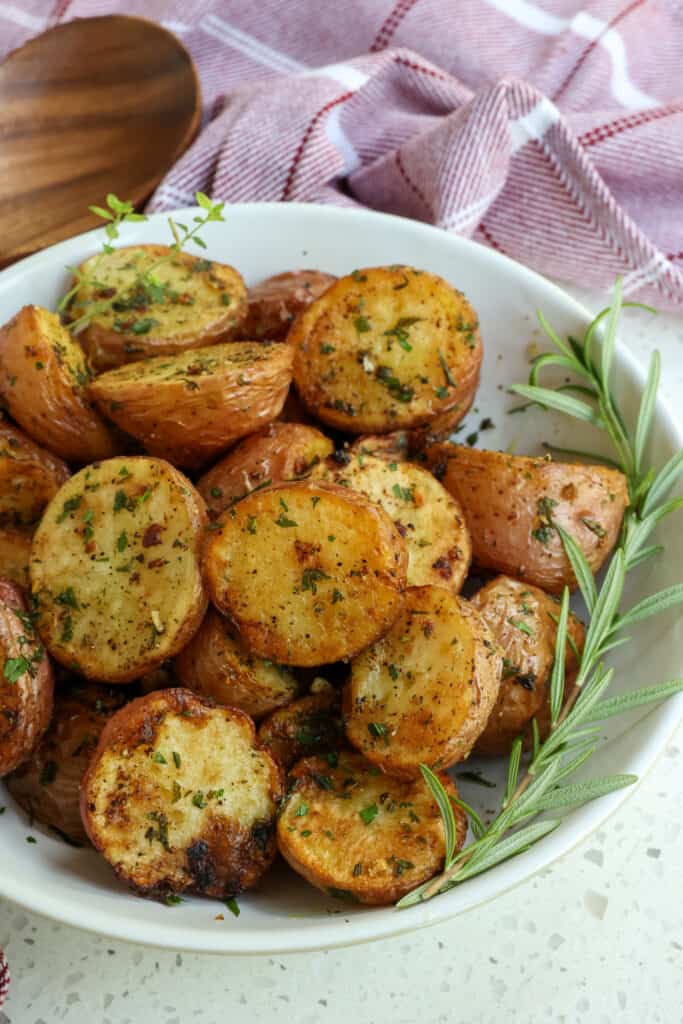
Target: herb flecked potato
(47,786)
(310,573)
(190,407)
(424,692)
(386,348)
(26,683)
(278,453)
(157,302)
(15,554)
(359,835)
(511,502)
(178,798)
(115,573)
(523,621)
(43,383)
(29,476)
(427,517)
(216,664)
(274,303)
(310,725)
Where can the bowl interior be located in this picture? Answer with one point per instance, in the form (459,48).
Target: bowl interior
(285,914)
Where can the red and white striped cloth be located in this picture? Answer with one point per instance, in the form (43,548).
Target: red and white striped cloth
(548,129)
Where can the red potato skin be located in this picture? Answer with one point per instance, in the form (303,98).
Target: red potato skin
(30,476)
(274,303)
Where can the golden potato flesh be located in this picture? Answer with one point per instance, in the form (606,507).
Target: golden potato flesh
(216,664)
(386,348)
(523,621)
(115,568)
(274,303)
(311,725)
(427,517)
(358,835)
(146,300)
(423,693)
(511,502)
(43,383)
(279,452)
(190,407)
(308,572)
(29,476)
(177,798)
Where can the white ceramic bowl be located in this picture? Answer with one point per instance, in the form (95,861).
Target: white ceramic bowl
(285,914)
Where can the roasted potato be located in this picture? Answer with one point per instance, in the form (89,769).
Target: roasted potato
(115,572)
(424,692)
(386,348)
(177,797)
(48,785)
(523,621)
(216,664)
(43,385)
(274,303)
(511,502)
(15,553)
(185,302)
(430,521)
(359,835)
(29,476)
(190,407)
(26,684)
(278,453)
(311,725)
(309,573)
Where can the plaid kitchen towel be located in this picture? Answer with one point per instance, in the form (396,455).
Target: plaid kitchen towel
(548,129)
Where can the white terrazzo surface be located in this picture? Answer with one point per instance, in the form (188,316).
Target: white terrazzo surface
(597,938)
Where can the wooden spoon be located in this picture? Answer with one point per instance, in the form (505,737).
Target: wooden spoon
(93,106)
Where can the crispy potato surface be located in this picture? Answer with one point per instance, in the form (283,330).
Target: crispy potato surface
(386,348)
(310,573)
(216,664)
(358,835)
(115,568)
(522,619)
(177,797)
(15,554)
(511,501)
(277,453)
(426,516)
(424,692)
(47,786)
(43,385)
(311,725)
(274,303)
(190,407)
(192,302)
(26,682)
(29,476)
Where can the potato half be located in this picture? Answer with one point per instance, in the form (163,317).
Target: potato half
(358,835)
(26,682)
(29,476)
(274,303)
(427,517)
(43,384)
(386,348)
(523,621)
(190,407)
(216,664)
(510,503)
(115,571)
(177,797)
(309,573)
(278,453)
(311,725)
(187,302)
(47,786)
(424,692)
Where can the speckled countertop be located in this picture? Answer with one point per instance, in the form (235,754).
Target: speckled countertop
(596,938)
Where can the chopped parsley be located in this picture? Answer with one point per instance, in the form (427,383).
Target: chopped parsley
(67,597)
(282,520)
(369,813)
(311,578)
(400,331)
(15,668)
(362,324)
(70,505)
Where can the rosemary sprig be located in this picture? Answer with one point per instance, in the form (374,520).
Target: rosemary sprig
(574,732)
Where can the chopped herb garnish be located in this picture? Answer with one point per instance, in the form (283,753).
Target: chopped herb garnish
(176,759)
(282,520)
(251,524)
(523,627)
(70,505)
(310,579)
(362,324)
(594,527)
(216,492)
(368,814)
(233,906)
(302,810)
(337,596)
(67,630)
(159,758)
(67,597)
(400,331)
(15,668)
(326,349)
(198,799)
(394,671)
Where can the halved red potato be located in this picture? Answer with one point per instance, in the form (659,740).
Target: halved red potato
(274,303)
(29,476)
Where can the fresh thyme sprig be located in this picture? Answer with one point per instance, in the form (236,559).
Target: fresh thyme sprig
(146,283)
(574,730)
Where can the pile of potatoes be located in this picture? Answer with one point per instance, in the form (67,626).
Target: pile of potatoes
(233,538)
